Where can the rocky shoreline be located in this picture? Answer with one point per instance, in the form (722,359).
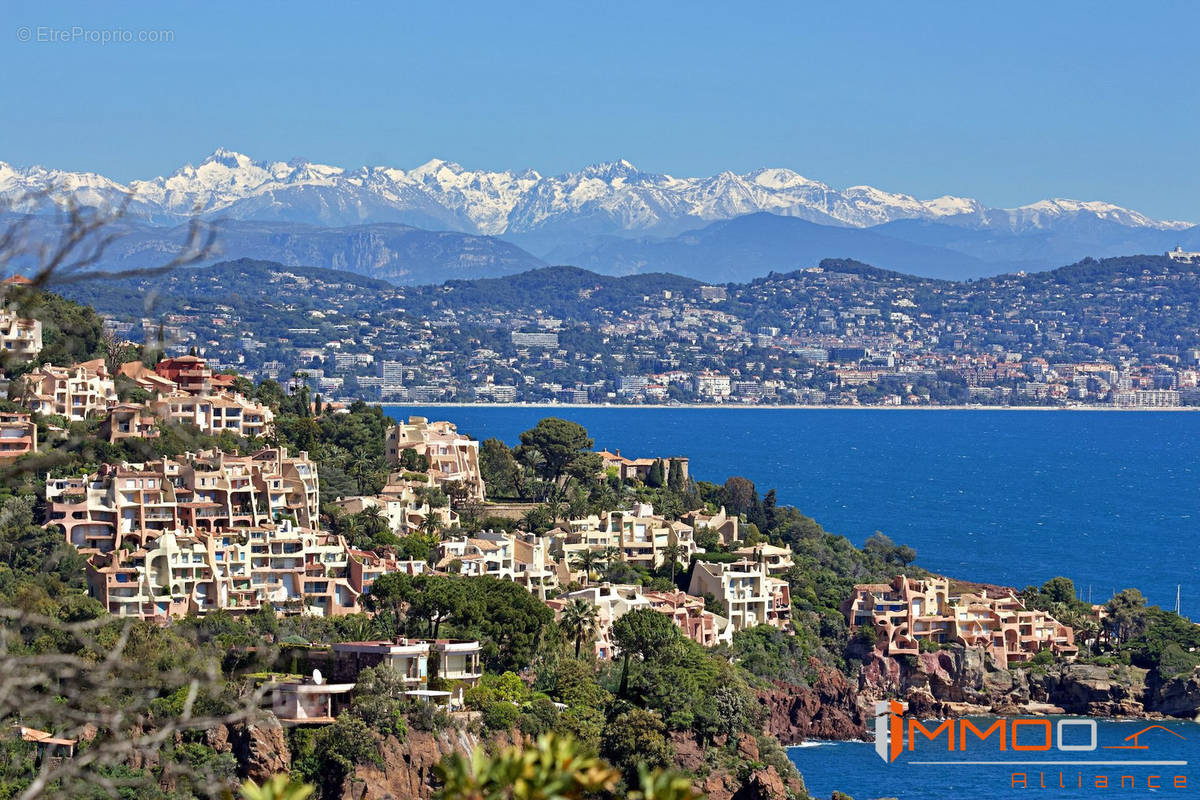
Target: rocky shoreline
(962,681)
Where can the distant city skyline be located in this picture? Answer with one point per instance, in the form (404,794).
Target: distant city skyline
(1007,105)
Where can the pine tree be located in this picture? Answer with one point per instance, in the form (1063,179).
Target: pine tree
(654,478)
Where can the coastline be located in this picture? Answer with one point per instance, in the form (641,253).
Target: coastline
(782,407)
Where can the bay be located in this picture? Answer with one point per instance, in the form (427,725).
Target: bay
(1110,499)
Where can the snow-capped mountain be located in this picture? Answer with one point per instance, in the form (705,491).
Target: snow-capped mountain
(603,199)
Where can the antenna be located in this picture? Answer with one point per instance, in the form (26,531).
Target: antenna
(317,678)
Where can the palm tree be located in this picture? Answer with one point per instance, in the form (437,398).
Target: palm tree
(578,621)
(612,555)
(375,520)
(671,554)
(586,560)
(430,525)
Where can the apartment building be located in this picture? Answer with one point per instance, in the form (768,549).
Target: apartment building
(365,566)
(401,507)
(77,392)
(533,566)
(174,574)
(476,557)
(214,413)
(20,337)
(200,492)
(712,385)
(640,537)
(129,421)
(725,526)
(689,615)
(613,601)
(908,611)
(778,560)
(18,436)
(146,378)
(190,373)
(452,456)
(750,594)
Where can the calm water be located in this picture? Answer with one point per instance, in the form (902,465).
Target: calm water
(1109,499)
(854,768)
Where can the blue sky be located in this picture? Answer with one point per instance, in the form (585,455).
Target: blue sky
(1008,102)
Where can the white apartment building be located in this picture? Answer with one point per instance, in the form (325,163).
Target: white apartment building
(750,595)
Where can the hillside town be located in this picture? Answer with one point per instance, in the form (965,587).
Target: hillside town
(239,530)
(840,333)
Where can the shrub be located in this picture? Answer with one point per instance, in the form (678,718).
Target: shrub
(501,716)
(538,717)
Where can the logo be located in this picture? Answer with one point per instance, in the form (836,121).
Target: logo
(1023,742)
(889,729)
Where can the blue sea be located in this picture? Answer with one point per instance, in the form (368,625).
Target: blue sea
(1108,499)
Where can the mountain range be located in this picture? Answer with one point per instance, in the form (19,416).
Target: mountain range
(442,220)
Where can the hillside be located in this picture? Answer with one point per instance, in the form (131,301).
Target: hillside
(737,250)
(400,254)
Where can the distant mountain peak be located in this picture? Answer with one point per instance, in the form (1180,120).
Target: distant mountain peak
(606,198)
(228,158)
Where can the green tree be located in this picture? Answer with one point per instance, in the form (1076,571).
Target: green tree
(342,746)
(501,474)
(553,769)
(437,599)
(587,561)
(739,496)
(391,593)
(636,738)
(509,621)
(643,633)
(675,480)
(656,476)
(379,700)
(672,554)
(557,443)
(1126,615)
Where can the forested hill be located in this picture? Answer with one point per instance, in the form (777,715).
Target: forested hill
(243,285)
(558,291)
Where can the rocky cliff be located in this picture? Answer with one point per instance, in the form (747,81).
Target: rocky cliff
(407,770)
(825,709)
(962,680)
